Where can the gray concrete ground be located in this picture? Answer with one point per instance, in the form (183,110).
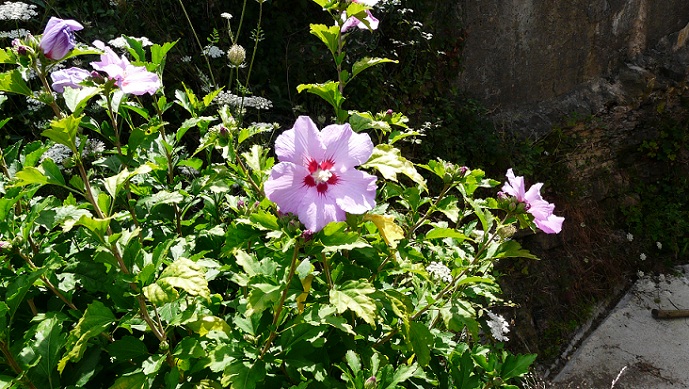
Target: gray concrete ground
(633,349)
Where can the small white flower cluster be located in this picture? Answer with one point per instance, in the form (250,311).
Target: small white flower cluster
(630,237)
(498,327)
(213,51)
(439,271)
(186,59)
(17,11)
(13,34)
(642,256)
(58,152)
(229,98)
(226,15)
(659,245)
(121,43)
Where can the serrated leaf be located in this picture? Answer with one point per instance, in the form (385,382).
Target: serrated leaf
(96,319)
(161,197)
(30,175)
(366,62)
(18,288)
(328,35)
(334,237)
(128,348)
(262,297)
(114,183)
(353,295)
(516,365)
(328,91)
(207,324)
(389,162)
(64,131)
(243,374)
(47,342)
(182,274)
(389,230)
(13,82)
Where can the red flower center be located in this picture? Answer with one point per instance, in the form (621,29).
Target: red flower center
(321,176)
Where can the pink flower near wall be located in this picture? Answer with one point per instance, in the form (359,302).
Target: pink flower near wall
(541,210)
(316,177)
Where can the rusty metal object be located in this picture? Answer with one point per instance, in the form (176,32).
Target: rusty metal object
(669,313)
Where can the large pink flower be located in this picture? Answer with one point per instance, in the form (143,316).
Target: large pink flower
(316,178)
(354,22)
(541,210)
(131,79)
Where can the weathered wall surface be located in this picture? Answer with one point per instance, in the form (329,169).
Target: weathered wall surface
(522,52)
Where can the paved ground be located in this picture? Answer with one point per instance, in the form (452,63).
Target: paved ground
(633,348)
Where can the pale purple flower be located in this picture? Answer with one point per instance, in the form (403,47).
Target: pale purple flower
(131,79)
(354,22)
(316,178)
(541,210)
(70,77)
(58,37)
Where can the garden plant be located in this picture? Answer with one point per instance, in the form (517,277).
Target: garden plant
(152,238)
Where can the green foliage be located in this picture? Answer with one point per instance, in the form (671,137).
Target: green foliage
(157,260)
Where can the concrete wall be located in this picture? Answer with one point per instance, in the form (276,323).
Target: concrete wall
(519,52)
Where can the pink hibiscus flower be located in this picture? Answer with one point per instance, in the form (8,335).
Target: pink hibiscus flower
(354,22)
(316,179)
(131,79)
(541,210)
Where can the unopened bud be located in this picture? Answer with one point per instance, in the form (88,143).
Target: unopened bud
(507,231)
(370,383)
(236,54)
(307,235)
(5,245)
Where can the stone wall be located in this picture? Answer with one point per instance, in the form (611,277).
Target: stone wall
(519,53)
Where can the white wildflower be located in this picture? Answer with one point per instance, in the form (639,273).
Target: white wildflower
(122,43)
(226,15)
(93,147)
(188,171)
(17,11)
(57,152)
(14,34)
(498,327)
(630,237)
(640,274)
(439,271)
(659,245)
(642,256)
(213,51)
(186,59)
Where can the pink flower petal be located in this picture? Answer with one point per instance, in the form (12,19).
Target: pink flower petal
(286,186)
(138,81)
(551,225)
(515,185)
(355,191)
(319,210)
(300,144)
(345,147)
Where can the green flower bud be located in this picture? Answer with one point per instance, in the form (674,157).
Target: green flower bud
(236,54)
(370,383)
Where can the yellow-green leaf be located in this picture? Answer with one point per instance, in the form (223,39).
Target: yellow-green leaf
(183,274)
(391,232)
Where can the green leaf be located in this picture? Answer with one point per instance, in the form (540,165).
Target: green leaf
(114,184)
(243,374)
(334,237)
(516,365)
(441,233)
(262,297)
(30,175)
(128,348)
(182,274)
(13,82)
(421,340)
(134,381)
(329,91)
(161,197)
(97,318)
(64,131)
(366,62)
(18,288)
(327,34)
(8,55)
(389,162)
(353,295)
(77,98)
(47,343)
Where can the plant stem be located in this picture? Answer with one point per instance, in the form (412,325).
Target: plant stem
(430,210)
(256,40)
(9,358)
(191,25)
(283,297)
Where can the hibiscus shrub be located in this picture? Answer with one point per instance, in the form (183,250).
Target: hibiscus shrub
(131,260)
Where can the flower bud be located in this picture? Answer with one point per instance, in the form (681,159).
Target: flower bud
(507,231)
(58,37)
(236,54)
(5,245)
(370,383)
